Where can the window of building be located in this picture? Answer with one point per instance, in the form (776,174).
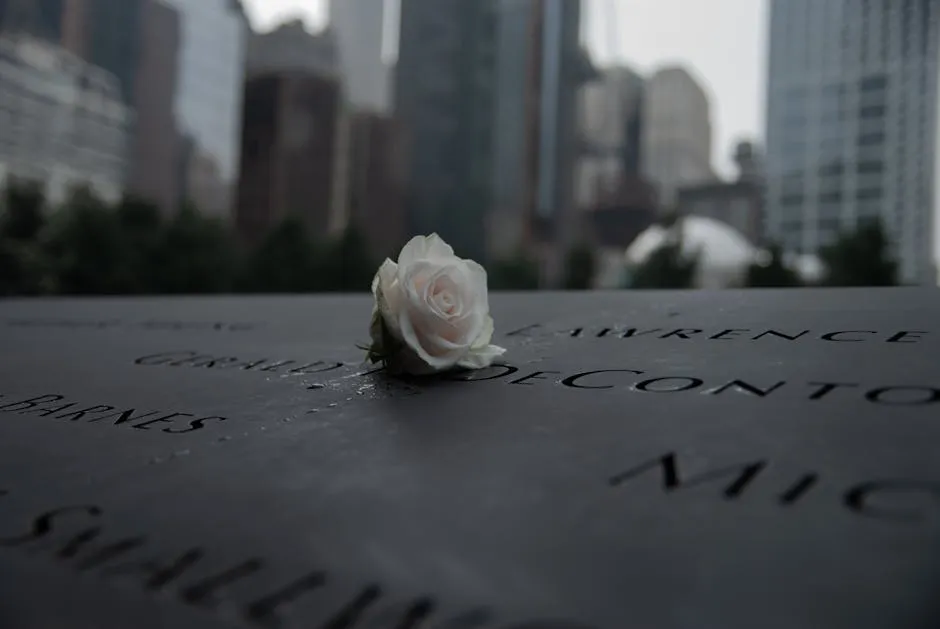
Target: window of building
(834,196)
(870,167)
(863,194)
(869,139)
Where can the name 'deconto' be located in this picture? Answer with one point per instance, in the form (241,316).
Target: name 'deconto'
(58,407)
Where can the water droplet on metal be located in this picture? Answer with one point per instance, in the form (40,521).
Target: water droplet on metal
(332,405)
(224,439)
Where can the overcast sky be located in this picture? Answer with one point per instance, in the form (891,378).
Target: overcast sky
(722,41)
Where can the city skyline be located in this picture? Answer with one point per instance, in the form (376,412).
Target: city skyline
(722,43)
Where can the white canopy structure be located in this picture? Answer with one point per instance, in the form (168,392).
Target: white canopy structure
(723,253)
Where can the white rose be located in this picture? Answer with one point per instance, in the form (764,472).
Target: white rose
(432,310)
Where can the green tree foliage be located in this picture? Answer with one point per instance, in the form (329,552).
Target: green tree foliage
(23,269)
(516,273)
(580,267)
(22,265)
(861,258)
(91,247)
(284,262)
(142,228)
(23,212)
(346,265)
(774,274)
(196,255)
(87,250)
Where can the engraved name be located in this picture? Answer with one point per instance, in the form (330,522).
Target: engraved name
(891,499)
(199,360)
(77,538)
(646,381)
(595,380)
(905,337)
(58,407)
(153,325)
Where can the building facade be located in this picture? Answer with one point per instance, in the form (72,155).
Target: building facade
(445,98)
(155,149)
(516,130)
(107,34)
(852,131)
(538,68)
(208,104)
(677,133)
(359,27)
(739,203)
(38,18)
(610,123)
(376,183)
(63,122)
(291,150)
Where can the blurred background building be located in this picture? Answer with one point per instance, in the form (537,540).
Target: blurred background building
(539,68)
(611,125)
(208,101)
(738,204)
(293,125)
(63,122)
(155,148)
(677,134)
(445,98)
(359,27)
(499,124)
(852,129)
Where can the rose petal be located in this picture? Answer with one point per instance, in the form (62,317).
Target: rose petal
(439,362)
(486,334)
(375,327)
(420,248)
(475,276)
(482,357)
(461,330)
(388,296)
(438,249)
(386,274)
(414,250)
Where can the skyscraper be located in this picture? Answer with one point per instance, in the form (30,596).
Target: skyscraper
(610,126)
(677,133)
(358,27)
(154,150)
(564,66)
(539,65)
(38,18)
(445,98)
(209,99)
(852,124)
(516,127)
(63,122)
(291,134)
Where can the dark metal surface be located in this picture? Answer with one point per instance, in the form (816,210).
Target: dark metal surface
(774,463)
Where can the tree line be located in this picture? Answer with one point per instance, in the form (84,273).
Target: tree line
(89,247)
